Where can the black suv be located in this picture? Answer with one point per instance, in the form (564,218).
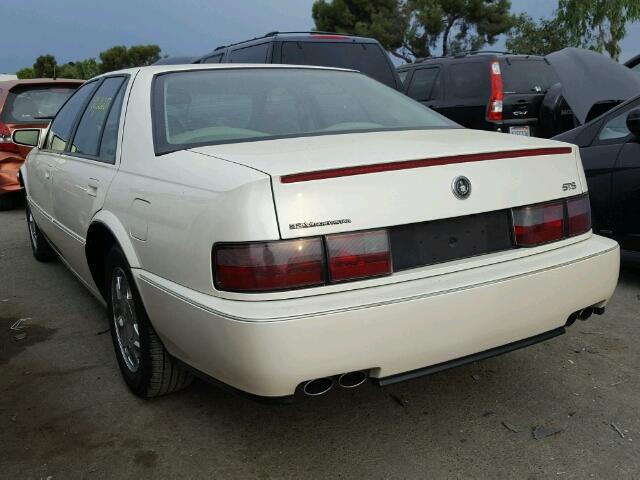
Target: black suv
(489,91)
(312,48)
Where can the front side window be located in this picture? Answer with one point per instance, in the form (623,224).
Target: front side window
(206,107)
(616,126)
(62,125)
(88,135)
(34,103)
(425,84)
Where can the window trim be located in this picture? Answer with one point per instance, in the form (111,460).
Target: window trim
(97,81)
(97,158)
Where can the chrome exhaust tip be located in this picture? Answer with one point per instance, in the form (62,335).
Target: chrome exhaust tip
(352,379)
(319,386)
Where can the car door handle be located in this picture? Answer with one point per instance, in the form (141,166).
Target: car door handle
(47,171)
(92,187)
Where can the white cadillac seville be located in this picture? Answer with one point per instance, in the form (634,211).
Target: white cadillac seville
(282,229)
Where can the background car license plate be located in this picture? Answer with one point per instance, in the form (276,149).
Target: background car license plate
(523,131)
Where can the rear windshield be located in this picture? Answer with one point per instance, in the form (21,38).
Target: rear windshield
(367,58)
(29,104)
(526,75)
(206,107)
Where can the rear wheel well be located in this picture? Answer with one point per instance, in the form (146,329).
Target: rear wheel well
(99,242)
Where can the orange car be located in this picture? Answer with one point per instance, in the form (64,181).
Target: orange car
(25,104)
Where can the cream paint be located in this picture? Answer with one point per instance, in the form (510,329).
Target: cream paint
(268,343)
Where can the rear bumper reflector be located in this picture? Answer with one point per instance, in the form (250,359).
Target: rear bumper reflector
(428,162)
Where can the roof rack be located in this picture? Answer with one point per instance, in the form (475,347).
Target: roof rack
(276,32)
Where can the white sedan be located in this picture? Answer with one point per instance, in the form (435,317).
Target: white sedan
(282,229)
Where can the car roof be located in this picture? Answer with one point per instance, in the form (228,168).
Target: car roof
(9,84)
(484,55)
(158,69)
(318,36)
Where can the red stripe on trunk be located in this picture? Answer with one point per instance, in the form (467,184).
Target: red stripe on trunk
(427,162)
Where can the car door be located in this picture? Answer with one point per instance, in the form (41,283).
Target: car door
(41,165)
(85,170)
(425,86)
(625,184)
(612,168)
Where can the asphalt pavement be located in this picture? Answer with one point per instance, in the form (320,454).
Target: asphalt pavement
(567,409)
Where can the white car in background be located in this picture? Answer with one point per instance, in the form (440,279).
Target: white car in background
(281,228)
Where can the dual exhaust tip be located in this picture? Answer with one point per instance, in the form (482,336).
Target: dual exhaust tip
(584,314)
(320,386)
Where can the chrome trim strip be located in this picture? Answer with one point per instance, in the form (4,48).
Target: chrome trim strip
(219,313)
(71,233)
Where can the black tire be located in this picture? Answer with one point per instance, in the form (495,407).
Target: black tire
(156,372)
(40,247)
(8,201)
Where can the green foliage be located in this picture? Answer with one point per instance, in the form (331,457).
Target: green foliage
(456,24)
(26,73)
(82,69)
(599,24)
(415,28)
(45,66)
(539,38)
(115,58)
(119,57)
(381,19)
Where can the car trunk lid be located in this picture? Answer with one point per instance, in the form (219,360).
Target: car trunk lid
(337,183)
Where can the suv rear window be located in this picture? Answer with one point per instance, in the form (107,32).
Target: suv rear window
(526,75)
(26,104)
(367,58)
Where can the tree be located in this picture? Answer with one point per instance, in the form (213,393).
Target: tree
(26,73)
(82,69)
(119,57)
(599,24)
(45,66)
(539,38)
(415,28)
(455,24)
(380,19)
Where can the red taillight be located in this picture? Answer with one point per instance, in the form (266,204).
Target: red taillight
(269,265)
(497,94)
(548,222)
(578,215)
(537,224)
(6,144)
(358,255)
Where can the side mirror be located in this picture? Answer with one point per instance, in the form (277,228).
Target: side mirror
(633,122)
(28,137)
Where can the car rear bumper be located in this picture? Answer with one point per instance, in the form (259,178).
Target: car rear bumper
(411,325)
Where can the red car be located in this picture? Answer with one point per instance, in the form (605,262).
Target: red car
(25,104)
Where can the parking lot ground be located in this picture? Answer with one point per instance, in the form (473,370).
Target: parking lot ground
(65,413)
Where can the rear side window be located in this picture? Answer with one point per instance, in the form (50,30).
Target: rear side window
(213,59)
(526,75)
(367,58)
(425,84)
(615,128)
(403,76)
(252,54)
(29,104)
(88,135)
(469,79)
(62,125)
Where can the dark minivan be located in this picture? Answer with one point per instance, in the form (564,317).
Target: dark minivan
(312,48)
(484,90)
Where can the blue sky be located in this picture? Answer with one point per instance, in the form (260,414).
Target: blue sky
(79,29)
